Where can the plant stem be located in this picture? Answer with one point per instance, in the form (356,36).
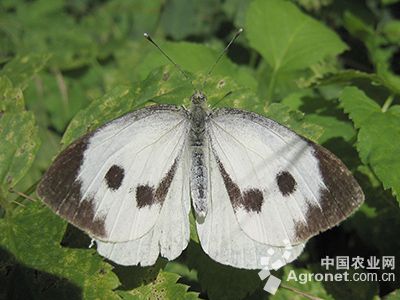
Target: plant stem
(306,295)
(387,103)
(23,195)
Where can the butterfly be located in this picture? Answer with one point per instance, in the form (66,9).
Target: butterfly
(254,185)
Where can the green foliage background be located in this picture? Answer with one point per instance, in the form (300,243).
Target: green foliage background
(328,69)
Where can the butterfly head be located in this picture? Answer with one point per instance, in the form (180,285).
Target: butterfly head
(198,98)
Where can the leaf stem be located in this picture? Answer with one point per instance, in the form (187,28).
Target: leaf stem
(253,59)
(271,87)
(62,86)
(23,195)
(387,103)
(306,295)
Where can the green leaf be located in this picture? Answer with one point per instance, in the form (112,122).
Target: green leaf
(332,127)
(391,30)
(199,18)
(378,136)
(346,76)
(18,135)
(32,234)
(113,104)
(164,286)
(288,39)
(236,10)
(11,99)
(21,69)
(294,120)
(56,98)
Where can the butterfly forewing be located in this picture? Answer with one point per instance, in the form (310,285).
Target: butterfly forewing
(280,185)
(113,182)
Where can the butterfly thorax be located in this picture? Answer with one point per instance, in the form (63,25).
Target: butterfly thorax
(198,176)
(198,115)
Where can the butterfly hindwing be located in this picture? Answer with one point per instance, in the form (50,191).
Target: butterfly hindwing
(113,182)
(280,185)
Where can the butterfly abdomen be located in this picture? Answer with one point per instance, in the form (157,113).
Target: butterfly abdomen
(198,170)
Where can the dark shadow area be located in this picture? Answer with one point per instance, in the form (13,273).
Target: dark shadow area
(343,149)
(221,281)
(132,277)
(19,282)
(75,238)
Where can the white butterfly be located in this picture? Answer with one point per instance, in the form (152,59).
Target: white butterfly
(254,184)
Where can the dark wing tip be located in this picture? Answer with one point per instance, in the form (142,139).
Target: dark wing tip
(342,196)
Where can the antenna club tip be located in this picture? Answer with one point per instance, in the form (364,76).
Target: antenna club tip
(240,30)
(146,35)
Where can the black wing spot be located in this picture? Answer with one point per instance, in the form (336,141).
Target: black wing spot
(253,200)
(144,195)
(147,196)
(234,193)
(286,183)
(114,177)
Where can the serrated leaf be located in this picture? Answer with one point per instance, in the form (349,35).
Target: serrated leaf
(378,137)
(164,286)
(18,135)
(288,39)
(33,233)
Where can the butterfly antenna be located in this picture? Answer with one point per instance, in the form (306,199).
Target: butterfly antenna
(148,37)
(240,30)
